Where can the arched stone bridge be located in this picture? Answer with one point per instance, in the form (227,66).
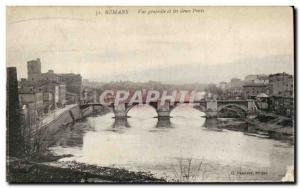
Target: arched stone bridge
(210,107)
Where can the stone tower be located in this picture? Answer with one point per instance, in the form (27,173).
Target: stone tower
(33,68)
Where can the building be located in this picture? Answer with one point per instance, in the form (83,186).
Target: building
(282,94)
(48,100)
(223,86)
(72,98)
(232,89)
(257,79)
(32,100)
(233,93)
(250,78)
(62,94)
(262,79)
(282,105)
(34,69)
(253,89)
(54,93)
(235,83)
(89,95)
(26,84)
(281,84)
(262,101)
(72,81)
(48,76)
(32,110)
(53,89)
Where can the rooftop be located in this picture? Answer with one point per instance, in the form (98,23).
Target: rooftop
(255,85)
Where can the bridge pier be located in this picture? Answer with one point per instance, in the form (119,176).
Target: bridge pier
(211,109)
(163,122)
(120,111)
(163,114)
(120,123)
(211,120)
(163,110)
(211,123)
(211,114)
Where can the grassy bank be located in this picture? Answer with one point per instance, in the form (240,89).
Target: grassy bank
(21,171)
(277,127)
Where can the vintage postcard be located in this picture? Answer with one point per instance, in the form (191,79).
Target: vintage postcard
(150,94)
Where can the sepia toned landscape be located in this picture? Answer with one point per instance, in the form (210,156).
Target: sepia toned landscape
(150,94)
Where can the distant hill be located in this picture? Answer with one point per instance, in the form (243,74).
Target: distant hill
(197,73)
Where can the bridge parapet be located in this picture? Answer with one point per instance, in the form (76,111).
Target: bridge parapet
(210,107)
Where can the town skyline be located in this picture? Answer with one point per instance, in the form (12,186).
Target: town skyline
(23,74)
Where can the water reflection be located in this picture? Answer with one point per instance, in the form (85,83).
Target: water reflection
(211,123)
(66,135)
(120,123)
(163,122)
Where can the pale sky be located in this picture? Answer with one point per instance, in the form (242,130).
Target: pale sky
(212,46)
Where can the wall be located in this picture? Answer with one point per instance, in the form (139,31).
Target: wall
(282,105)
(26,98)
(13,134)
(62,94)
(63,118)
(281,84)
(73,82)
(45,135)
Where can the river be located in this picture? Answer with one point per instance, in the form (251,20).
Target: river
(182,149)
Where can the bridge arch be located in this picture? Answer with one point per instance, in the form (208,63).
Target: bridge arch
(128,108)
(242,107)
(196,107)
(240,110)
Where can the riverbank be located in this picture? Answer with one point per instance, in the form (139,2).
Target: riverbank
(264,125)
(22,171)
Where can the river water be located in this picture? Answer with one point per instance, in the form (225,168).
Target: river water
(182,149)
